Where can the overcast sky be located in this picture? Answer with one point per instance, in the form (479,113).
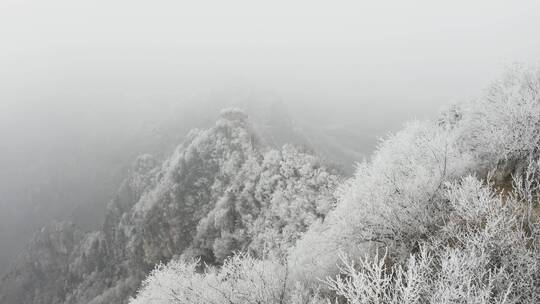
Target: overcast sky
(367,53)
(97,67)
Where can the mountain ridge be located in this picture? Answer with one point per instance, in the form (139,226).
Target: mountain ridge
(155,216)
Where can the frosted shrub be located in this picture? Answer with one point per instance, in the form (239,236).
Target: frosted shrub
(373,281)
(483,254)
(392,201)
(505,123)
(242,279)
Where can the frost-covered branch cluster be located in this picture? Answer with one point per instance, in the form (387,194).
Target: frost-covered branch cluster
(485,253)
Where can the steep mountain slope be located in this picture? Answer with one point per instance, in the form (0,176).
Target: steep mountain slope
(446,211)
(67,180)
(220,191)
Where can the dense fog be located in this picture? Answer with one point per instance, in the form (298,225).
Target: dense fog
(88,86)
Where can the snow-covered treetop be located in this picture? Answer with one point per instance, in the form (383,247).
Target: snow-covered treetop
(144,163)
(234,114)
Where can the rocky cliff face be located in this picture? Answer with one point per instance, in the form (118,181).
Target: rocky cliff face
(220,191)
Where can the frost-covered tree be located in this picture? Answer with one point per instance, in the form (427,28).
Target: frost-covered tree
(505,123)
(272,201)
(392,201)
(488,251)
(241,279)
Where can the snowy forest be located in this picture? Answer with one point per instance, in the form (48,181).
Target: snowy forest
(279,152)
(445,211)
